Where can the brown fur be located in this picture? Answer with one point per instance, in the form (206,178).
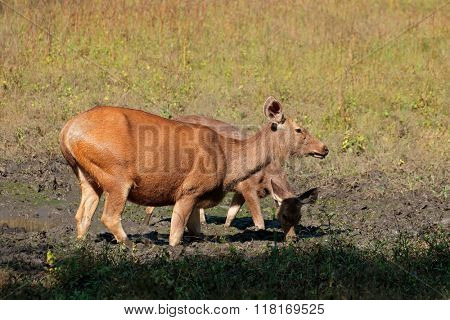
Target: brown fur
(258,185)
(188,165)
(290,205)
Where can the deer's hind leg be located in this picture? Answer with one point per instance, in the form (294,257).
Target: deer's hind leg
(90,196)
(149,213)
(236,204)
(194,222)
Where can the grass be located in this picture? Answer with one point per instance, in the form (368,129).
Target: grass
(410,268)
(375,109)
(25,193)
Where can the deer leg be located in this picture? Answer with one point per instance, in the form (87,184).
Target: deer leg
(202,216)
(90,205)
(236,204)
(149,211)
(80,212)
(193,223)
(255,209)
(112,214)
(90,196)
(181,211)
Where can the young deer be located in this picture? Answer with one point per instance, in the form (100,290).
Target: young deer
(289,206)
(258,185)
(134,155)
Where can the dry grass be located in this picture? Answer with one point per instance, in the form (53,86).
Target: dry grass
(386,111)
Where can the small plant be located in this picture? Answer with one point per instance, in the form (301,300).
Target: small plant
(273,213)
(307,121)
(442,193)
(20,136)
(166,113)
(330,215)
(353,143)
(51,261)
(399,162)
(50,258)
(423,101)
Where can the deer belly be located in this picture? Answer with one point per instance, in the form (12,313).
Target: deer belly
(211,199)
(154,191)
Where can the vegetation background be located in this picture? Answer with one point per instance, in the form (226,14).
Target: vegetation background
(360,74)
(369,78)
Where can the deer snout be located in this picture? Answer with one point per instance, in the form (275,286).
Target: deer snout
(320,152)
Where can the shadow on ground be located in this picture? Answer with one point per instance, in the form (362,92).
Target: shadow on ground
(248,233)
(325,271)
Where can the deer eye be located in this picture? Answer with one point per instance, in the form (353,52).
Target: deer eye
(298,130)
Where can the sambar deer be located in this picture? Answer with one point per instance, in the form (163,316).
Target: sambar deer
(290,205)
(259,185)
(134,155)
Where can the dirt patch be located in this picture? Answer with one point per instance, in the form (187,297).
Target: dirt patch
(38,201)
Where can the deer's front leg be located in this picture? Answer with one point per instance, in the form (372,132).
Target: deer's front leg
(149,211)
(255,209)
(181,212)
(202,216)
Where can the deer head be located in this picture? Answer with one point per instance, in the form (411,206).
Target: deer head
(289,206)
(299,141)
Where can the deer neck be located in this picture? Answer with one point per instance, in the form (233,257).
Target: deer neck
(279,176)
(248,156)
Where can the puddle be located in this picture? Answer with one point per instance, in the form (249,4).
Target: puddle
(28,224)
(42,219)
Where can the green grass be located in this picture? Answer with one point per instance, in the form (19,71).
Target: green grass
(28,193)
(410,268)
(386,111)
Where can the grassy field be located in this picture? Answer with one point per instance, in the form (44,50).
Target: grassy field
(369,78)
(224,58)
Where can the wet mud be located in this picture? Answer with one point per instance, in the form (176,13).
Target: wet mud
(38,200)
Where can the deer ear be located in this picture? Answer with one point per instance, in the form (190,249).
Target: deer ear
(309,196)
(277,192)
(273,110)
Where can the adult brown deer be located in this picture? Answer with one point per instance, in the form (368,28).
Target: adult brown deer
(258,185)
(134,155)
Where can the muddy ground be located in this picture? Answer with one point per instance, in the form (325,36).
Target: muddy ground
(38,200)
